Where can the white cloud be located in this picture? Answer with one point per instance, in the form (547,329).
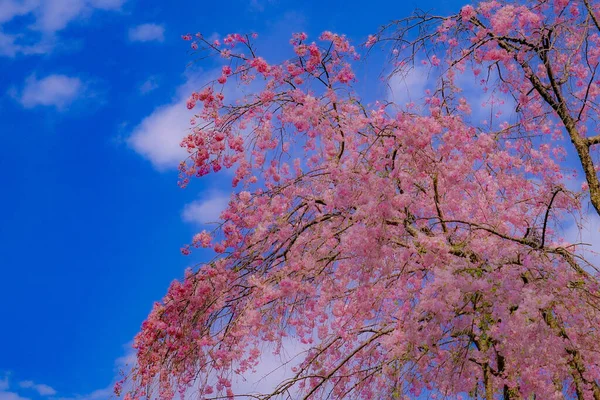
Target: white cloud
(149,85)
(8,45)
(410,86)
(11,45)
(158,136)
(54,90)
(11,396)
(5,394)
(107,4)
(100,394)
(206,209)
(43,390)
(271,370)
(586,232)
(260,5)
(54,15)
(10,9)
(486,106)
(122,364)
(43,19)
(147,33)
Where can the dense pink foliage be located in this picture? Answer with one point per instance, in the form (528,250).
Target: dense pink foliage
(410,250)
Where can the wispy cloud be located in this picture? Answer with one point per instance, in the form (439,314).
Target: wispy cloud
(53,90)
(488,108)
(10,9)
(43,19)
(5,394)
(107,4)
(42,389)
(11,396)
(4,383)
(54,15)
(410,86)
(100,394)
(260,5)
(586,232)
(271,370)
(149,85)
(12,45)
(122,364)
(8,45)
(147,33)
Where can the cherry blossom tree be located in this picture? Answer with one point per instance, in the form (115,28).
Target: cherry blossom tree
(543,54)
(410,250)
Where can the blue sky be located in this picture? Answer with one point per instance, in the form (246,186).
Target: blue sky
(91,112)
